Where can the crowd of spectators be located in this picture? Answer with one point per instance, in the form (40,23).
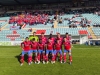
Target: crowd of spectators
(38,17)
(29,19)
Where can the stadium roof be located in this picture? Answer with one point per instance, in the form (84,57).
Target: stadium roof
(25,2)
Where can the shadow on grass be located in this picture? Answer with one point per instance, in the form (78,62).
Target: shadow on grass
(18,57)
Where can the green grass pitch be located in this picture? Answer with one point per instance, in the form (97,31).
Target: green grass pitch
(86,61)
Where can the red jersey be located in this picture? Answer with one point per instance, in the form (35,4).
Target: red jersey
(26,45)
(44,39)
(49,46)
(41,46)
(34,45)
(67,45)
(60,39)
(52,40)
(58,46)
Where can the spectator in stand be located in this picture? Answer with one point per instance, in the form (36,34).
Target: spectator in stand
(30,30)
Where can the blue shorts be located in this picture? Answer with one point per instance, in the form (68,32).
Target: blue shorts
(58,51)
(65,51)
(26,52)
(41,51)
(33,51)
(49,51)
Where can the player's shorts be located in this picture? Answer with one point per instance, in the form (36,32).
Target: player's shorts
(33,51)
(58,51)
(41,51)
(26,52)
(49,51)
(65,51)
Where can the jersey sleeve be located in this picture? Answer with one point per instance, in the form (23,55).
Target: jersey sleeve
(22,45)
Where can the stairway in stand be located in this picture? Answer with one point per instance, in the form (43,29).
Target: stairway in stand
(92,33)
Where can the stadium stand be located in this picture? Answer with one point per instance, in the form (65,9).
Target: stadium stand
(76,21)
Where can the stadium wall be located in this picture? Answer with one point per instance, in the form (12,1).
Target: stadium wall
(82,38)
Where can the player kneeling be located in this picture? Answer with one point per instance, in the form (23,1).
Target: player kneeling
(67,48)
(49,49)
(58,49)
(34,47)
(41,52)
(26,50)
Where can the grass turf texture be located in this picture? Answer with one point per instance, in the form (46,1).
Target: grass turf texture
(86,61)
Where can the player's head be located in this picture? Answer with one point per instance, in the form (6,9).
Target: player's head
(40,40)
(66,34)
(64,39)
(42,34)
(58,35)
(50,36)
(34,33)
(49,40)
(33,40)
(26,39)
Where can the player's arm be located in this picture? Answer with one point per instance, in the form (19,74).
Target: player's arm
(71,43)
(30,44)
(45,46)
(54,46)
(70,38)
(62,45)
(37,46)
(22,46)
(37,38)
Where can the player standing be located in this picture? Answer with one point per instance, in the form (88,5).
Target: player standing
(58,49)
(34,47)
(49,49)
(60,40)
(41,51)
(25,45)
(52,39)
(67,37)
(67,48)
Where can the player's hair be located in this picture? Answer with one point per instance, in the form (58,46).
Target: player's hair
(26,38)
(50,36)
(40,39)
(66,33)
(34,32)
(58,33)
(42,33)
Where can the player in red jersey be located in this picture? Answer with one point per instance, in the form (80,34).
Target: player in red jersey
(49,49)
(41,51)
(52,39)
(67,37)
(44,41)
(58,49)
(59,37)
(43,38)
(26,50)
(34,47)
(67,48)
